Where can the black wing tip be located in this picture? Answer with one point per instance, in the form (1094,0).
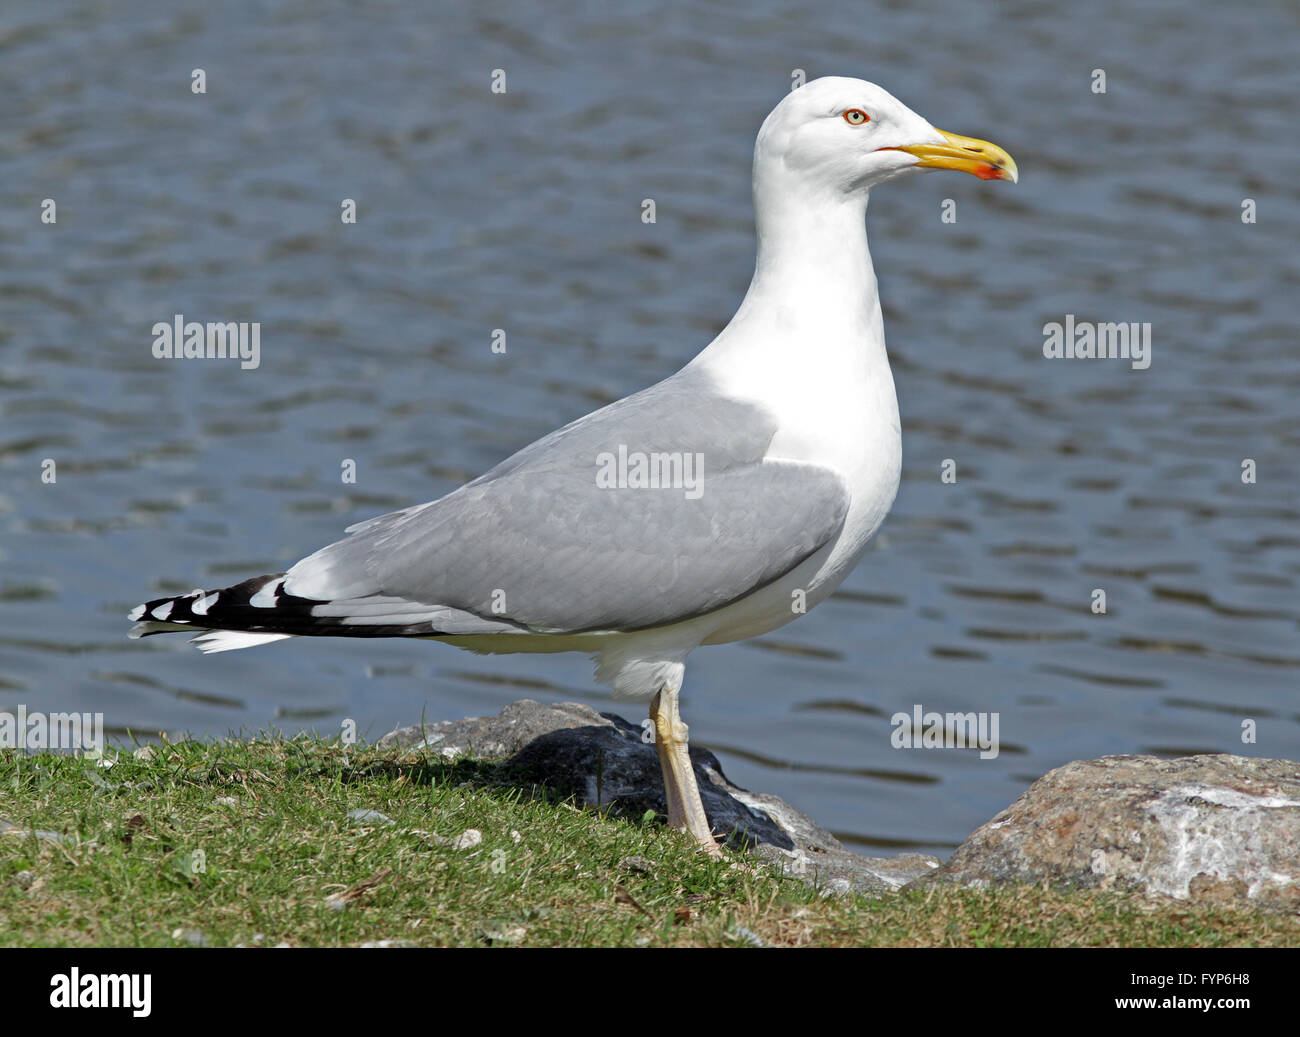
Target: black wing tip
(232,608)
(210,608)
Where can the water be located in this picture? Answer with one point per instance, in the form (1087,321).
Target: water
(522,212)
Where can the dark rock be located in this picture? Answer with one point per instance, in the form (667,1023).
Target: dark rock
(601,760)
(1208,828)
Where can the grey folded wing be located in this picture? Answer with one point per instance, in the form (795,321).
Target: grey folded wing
(543,543)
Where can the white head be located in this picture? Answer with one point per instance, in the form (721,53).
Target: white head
(845,136)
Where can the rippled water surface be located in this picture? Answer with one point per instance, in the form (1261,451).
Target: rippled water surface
(480,211)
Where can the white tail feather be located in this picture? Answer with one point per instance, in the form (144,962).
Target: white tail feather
(229,640)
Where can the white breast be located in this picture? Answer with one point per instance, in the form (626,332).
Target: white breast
(834,405)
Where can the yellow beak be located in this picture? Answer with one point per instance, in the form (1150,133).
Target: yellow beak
(966,155)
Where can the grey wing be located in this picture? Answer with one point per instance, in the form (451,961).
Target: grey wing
(543,543)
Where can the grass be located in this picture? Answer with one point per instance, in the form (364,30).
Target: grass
(250,842)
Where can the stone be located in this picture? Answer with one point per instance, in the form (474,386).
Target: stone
(498,737)
(602,761)
(369,817)
(503,932)
(467,839)
(9,828)
(1212,828)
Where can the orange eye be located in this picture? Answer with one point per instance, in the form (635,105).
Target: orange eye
(856,117)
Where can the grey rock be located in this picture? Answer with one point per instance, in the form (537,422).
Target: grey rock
(498,737)
(504,932)
(9,828)
(601,761)
(369,817)
(1206,828)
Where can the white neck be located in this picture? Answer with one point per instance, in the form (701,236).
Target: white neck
(811,251)
(813,301)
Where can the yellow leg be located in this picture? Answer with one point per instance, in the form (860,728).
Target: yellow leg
(685,810)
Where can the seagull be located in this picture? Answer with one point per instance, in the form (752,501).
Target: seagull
(716,505)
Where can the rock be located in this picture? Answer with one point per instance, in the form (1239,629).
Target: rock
(1207,828)
(601,760)
(467,839)
(498,737)
(9,828)
(369,817)
(503,932)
